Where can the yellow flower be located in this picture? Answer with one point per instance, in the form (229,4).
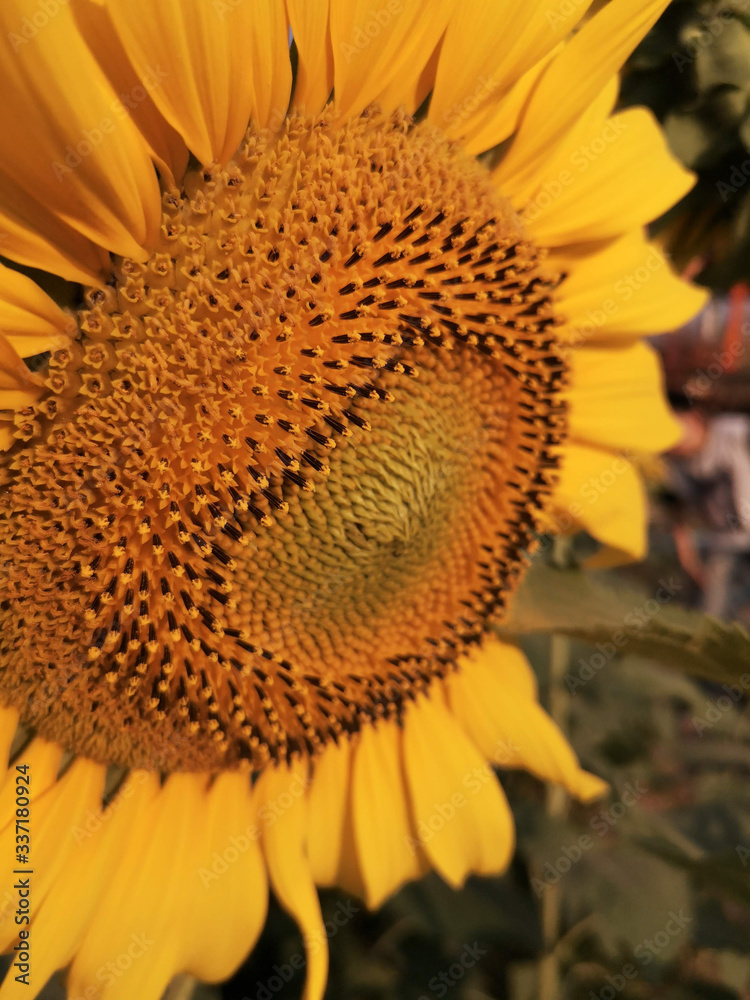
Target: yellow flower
(265,493)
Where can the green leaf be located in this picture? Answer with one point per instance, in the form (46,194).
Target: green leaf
(624,620)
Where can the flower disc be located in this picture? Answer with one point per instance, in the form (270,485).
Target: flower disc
(288,469)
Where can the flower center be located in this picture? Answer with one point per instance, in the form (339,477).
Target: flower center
(289,468)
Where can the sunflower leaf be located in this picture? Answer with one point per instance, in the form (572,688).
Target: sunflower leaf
(622,619)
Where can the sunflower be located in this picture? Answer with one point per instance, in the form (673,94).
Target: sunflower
(360,317)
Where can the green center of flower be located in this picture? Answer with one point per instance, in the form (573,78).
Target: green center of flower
(288,470)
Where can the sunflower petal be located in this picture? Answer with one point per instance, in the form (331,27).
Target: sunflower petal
(620,290)
(388,853)
(571,83)
(510,729)
(617,399)
(461,814)
(144,917)
(603,493)
(74,151)
(100,841)
(166,145)
(590,201)
(215,66)
(488,47)
(282,808)
(231,896)
(310,31)
(327,808)
(372,48)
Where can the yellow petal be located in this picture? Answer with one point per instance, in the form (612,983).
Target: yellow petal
(327,807)
(34,235)
(56,815)
(603,493)
(228,879)
(282,810)
(8,726)
(389,853)
(412,87)
(374,46)
(61,919)
(212,66)
(72,149)
(500,118)
(617,400)
(572,82)
(43,759)
(462,817)
(621,290)
(488,47)
(144,919)
(166,145)
(584,197)
(510,728)
(314,81)
(26,310)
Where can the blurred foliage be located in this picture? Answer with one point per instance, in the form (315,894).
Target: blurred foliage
(693,71)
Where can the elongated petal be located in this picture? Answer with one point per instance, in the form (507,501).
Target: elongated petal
(282,809)
(617,399)
(227,876)
(570,85)
(587,199)
(134,96)
(460,811)
(146,911)
(327,808)
(389,853)
(74,150)
(100,841)
(603,493)
(310,31)
(373,46)
(218,65)
(488,47)
(509,728)
(620,290)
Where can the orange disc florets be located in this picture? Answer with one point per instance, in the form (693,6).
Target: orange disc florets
(289,467)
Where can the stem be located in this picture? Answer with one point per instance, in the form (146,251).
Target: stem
(181,988)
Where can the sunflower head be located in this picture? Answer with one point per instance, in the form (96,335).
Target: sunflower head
(288,468)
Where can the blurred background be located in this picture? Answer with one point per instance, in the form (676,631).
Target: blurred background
(645,895)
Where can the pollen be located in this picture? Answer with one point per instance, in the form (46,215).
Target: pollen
(291,465)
